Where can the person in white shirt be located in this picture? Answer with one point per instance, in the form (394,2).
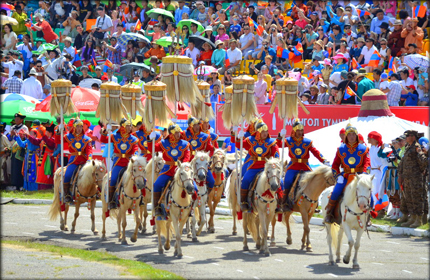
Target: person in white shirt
(234,56)
(103,24)
(26,46)
(68,48)
(31,86)
(111,77)
(53,65)
(335,79)
(348,3)
(367,52)
(14,63)
(118,33)
(193,53)
(377,164)
(405,80)
(384,81)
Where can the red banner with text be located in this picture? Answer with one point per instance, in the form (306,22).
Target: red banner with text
(324,115)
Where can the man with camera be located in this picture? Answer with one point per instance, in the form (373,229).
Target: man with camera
(309,39)
(103,25)
(265,50)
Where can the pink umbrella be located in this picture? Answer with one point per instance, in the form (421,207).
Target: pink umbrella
(204,70)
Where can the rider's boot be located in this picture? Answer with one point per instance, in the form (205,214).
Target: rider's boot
(67,196)
(157,207)
(244,205)
(112,202)
(329,218)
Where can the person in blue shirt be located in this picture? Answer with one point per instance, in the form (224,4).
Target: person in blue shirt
(341,63)
(181,10)
(236,26)
(335,18)
(377,21)
(355,51)
(216,96)
(335,35)
(411,97)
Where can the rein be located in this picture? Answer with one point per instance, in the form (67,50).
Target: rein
(348,210)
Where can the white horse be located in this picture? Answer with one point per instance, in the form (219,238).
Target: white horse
(264,202)
(178,202)
(89,179)
(133,182)
(354,210)
(200,164)
(147,190)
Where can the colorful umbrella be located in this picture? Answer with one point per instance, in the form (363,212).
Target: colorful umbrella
(167,41)
(45,47)
(125,37)
(188,22)
(9,109)
(154,13)
(204,70)
(16,96)
(83,98)
(417,60)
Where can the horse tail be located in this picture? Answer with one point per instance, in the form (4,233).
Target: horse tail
(162,227)
(284,220)
(232,201)
(333,230)
(197,213)
(252,226)
(55,208)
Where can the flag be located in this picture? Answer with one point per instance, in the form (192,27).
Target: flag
(391,66)
(124,21)
(262,3)
(257,27)
(283,53)
(419,11)
(7,7)
(138,25)
(109,64)
(229,7)
(348,93)
(77,62)
(374,59)
(355,64)
(152,22)
(298,49)
(227,60)
(362,13)
(381,203)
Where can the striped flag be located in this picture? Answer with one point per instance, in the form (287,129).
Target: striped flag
(374,59)
(257,27)
(348,93)
(109,64)
(381,203)
(355,64)
(124,21)
(77,62)
(391,66)
(283,53)
(419,11)
(298,49)
(227,60)
(362,13)
(7,7)
(152,22)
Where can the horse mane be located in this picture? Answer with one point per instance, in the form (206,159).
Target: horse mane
(198,155)
(85,177)
(152,163)
(309,176)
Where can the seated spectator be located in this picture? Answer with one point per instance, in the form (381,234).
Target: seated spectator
(42,25)
(367,53)
(378,20)
(21,18)
(326,71)
(423,83)
(334,93)
(156,51)
(143,47)
(364,84)
(413,48)
(218,56)
(323,96)
(394,90)
(70,25)
(343,49)
(309,40)
(113,52)
(355,50)
(272,69)
(261,55)
(88,53)
(246,41)
(157,34)
(235,57)
(214,77)
(395,40)
(68,48)
(206,54)
(10,38)
(80,37)
(216,96)
(385,32)
(314,94)
(305,97)
(209,34)
(335,35)
(347,81)
(111,77)
(318,49)
(384,81)
(260,89)
(222,35)
(413,35)
(341,63)
(411,97)
(193,53)
(235,27)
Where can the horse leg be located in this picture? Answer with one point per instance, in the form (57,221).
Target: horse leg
(104,223)
(272,238)
(145,216)
(234,213)
(306,228)
(136,229)
(263,233)
(192,233)
(257,225)
(202,218)
(141,218)
(118,221)
(66,211)
(287,222)
(93,217)
(348,233)
(167,243)
(124,224)
(355,264)
(160,248)
(339,244)
(245,228)
(77,206)
(212,205)
(307,232)
(329,242)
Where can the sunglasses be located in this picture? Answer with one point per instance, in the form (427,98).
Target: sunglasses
(221,29)
(246,29)
(347,27)
(320,29)
(383,44)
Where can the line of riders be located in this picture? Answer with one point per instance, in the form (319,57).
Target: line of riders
(181,146)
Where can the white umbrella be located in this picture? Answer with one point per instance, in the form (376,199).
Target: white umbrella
(417,60)
(5,20)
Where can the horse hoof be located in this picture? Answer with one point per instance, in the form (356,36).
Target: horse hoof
(189,235)
(309,249)
(356,266)
(175,253)
(140,227)
(245,248)
(160,251)
(345,261)
(124,242)
(234,233)
(267,254)
(289,241)
(302,248)
(143,230)
(338,260)
(272,244)
(104,238)
(72,231)
(96,232)
(166,247)
(66,228)
(258,246)
(180,256)
(331,263)
(62,227)
(195,239)
(212,230)
(133,239)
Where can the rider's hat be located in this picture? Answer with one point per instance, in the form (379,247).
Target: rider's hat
(297,125)
(192,121)
(350,128)
(124,122)
(174,128)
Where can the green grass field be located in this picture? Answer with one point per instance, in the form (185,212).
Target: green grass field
(134,268)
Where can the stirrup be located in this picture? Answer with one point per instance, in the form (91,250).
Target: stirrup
(68,198)
(244,206)
(112,205)
(329,219)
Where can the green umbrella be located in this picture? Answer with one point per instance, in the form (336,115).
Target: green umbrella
(188,22)
(154,13)
(9,109)
(167,41)
(45,47)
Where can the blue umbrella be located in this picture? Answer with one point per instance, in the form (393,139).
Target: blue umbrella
(16,96)
(124,38)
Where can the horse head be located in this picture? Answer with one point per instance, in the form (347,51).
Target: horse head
(184,177)
(99,172)
(136,167)
(219,161)
(200,163)
(159,162)
(272,169)
(364,191)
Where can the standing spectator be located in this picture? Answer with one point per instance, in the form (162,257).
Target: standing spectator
(341,63)
(378,20)
(246,41)
(111,77)
(104,25)
(68,48)
(309,39)
(367,53)
(323,96)
(57,13)
(295,10)
(9,39)
(14,64)
(394,91)
(405,80)
(347,81)
(235,57)
(260,89)
(413,35)
(222,35)
(70,25)
(194,31)
(218,56)
(80,37)
(377,77)
(26,46)
(193,53)
(31,86)
(39,69)
(86,11)
(113,52)
(21,18)
(42,25)
(145,8)
(54,62)
(395,40)
(13,84)
(364,84)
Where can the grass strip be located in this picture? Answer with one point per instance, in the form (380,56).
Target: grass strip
(42,194)
(135,268)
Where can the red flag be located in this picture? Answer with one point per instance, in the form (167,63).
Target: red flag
(109,64)
(138,25)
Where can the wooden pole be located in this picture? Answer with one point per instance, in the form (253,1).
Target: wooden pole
(62,154)
(108,164)
(283,146)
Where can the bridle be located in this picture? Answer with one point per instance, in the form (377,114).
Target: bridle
(363,196)
(141,168)
(270,177)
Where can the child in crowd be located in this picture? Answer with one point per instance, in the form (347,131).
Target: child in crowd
(384,84)
(305,97)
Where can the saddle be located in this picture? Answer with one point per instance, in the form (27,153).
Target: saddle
(166,194)
(295,191)
(74,181)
